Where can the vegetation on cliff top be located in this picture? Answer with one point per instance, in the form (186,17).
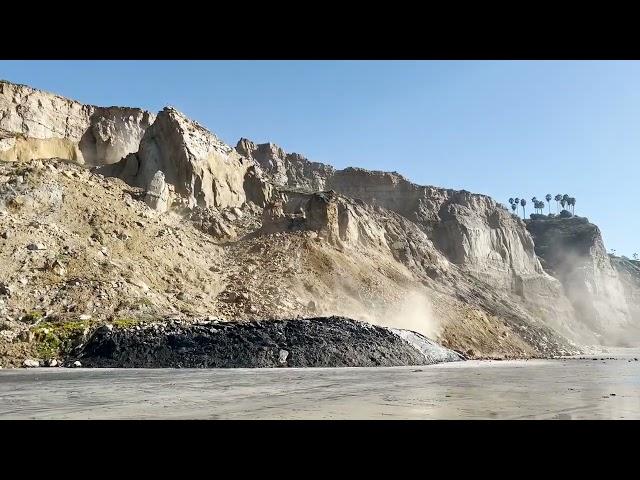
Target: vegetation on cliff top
(561,200)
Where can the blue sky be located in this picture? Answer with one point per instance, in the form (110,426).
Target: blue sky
(503,128)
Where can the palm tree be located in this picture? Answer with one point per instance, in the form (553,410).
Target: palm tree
(541,207)
(572,202)
(514,205)
(511,201)
(548,198)
(523,202)
(557,198)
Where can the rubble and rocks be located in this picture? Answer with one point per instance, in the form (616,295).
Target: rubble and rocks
(31,363)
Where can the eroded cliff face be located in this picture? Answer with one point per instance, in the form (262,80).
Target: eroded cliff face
(476,234)
(470,231)
(200,167)
(438,297)
(36,124)
(572,250)
(629,275)
(297,237)
(286,169)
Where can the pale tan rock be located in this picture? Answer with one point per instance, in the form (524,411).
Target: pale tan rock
(36,124)
(157,196)
(286,169)
(203,169)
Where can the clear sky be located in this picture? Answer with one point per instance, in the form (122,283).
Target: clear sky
(503,128)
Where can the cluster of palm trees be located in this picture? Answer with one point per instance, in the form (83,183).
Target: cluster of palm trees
(517,201)
(564,200)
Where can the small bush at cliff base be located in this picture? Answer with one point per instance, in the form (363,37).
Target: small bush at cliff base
(56,339)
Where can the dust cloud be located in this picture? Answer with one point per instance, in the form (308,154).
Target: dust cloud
(594,289)
(412,311)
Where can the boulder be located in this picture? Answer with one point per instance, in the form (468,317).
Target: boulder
(282,357)
(157,196)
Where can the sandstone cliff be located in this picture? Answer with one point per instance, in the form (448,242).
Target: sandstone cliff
(36,124)
(79,249)
(463,305)
(629,275)
(471,231)
(193,227)
(201,168)
(286,169)
(572,250)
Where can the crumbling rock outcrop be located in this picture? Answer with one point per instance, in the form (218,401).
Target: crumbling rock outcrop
(274,219)
(286,169)
(36,124)
(572,250)
(202,168)
(360,227)
(471,230)
(443,227)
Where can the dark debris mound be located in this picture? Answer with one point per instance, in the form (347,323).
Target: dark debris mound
(315,342)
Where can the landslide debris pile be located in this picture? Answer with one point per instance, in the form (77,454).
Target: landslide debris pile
(313,342)
(169,222)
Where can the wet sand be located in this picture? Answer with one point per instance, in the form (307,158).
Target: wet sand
(533,389)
